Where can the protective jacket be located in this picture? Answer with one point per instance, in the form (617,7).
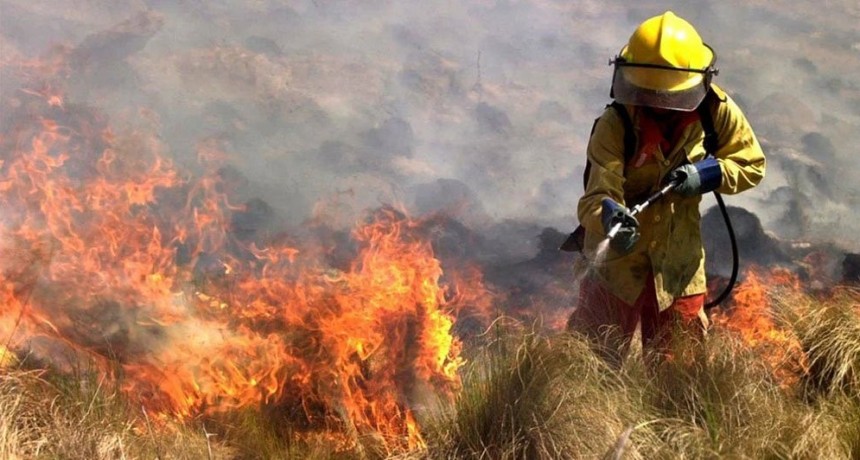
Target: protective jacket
(670,247)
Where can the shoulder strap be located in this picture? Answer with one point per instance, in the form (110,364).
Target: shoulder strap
(711,142)
(629,133)
(629,137)
(706,117)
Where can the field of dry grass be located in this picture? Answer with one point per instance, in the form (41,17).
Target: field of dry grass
(524,395)
(179,183)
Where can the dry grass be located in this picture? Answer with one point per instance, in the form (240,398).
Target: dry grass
(829,332)
(725,403)
(549,397)
(82,417)
(525,396)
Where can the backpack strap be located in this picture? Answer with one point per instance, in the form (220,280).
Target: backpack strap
(629,132)
(714,97)
(629,137)
(576,241)
(706,118)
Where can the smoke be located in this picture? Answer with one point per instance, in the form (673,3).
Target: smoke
(486,105)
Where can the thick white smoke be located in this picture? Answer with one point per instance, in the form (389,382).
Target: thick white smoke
(482,106)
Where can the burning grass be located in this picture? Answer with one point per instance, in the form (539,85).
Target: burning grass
(204,338)
(525,394)
(45,415)
(740,395)
(206,341)
(112,255)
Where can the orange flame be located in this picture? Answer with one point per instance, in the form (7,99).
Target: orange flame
(750,316)
(114,254)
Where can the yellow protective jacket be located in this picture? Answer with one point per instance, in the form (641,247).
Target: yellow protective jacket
(670,247)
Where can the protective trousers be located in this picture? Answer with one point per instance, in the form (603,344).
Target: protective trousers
(610,324)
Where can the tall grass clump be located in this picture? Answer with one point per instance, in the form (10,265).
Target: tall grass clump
(272,434)
(719,399)
(527,396)
(550,396)
(82,416)
(829,333)
(828,328)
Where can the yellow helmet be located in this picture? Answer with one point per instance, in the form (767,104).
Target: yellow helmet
(665,64)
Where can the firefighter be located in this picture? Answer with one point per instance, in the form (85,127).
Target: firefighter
(653,273)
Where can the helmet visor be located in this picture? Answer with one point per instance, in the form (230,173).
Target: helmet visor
(660,87)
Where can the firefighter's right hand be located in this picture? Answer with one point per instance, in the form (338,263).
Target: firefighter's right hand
(628,233)
(697,178)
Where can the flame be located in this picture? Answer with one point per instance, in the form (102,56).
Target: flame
(110,251)
(750,316)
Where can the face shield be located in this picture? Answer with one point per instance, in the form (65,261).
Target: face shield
(660,86)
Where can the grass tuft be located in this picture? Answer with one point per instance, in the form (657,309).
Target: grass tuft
(46,415)
(530,396)
(829,332)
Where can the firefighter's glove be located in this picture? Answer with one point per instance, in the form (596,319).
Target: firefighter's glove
(697,178)
(628,234)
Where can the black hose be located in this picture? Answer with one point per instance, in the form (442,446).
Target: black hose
(728,289)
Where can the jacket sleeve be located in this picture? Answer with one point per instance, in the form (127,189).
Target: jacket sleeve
(739,153)
(606,179)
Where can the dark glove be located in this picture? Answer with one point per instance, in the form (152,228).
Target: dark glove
(628,234)
(697,178)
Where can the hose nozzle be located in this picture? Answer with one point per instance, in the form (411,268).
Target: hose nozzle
(613,231)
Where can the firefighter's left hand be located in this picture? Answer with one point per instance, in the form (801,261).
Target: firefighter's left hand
(697,178)
(628,234)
